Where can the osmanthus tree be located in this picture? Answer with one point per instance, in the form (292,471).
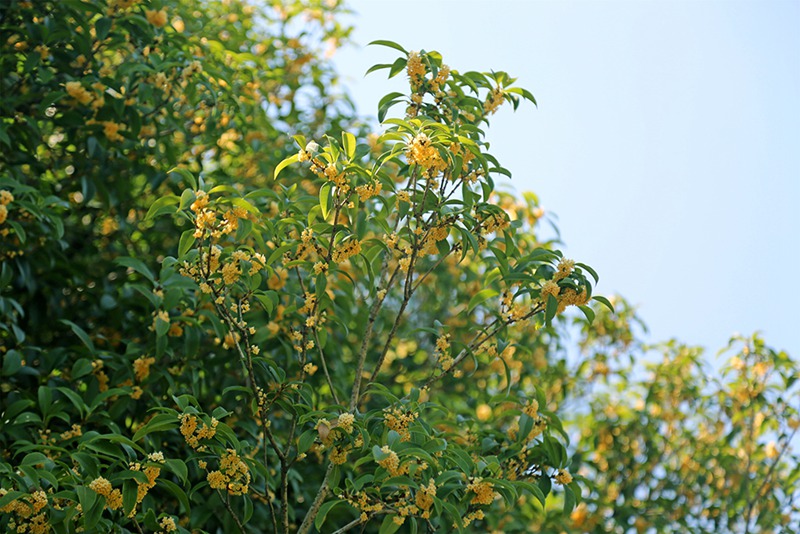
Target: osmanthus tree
(344,331)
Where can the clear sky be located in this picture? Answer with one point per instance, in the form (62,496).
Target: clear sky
(666,140)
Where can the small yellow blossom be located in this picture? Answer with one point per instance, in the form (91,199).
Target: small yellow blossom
(563,477)
(101,486)
(156,18)
(78,92)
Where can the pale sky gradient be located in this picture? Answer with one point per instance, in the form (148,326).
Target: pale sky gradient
(667,141)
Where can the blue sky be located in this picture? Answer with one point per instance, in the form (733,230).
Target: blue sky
(666,140)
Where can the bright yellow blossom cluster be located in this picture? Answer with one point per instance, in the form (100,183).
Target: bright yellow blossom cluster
(415,69)
(399,420)
(367,191)
(424,498)
(77,91)
(193,433)
(141,367)
(233,474)
(30,516)
(422,152)
(484,491)
(6,198)
(346,250)
(493,101)
(392,462)
(563,477)
(156,18)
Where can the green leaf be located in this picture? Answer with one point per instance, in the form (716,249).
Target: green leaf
(102,27)
(550,309)
(605,302)
(187,197)
(177,492)
(349,144)
(186,242)
(569,500)
(389,526)
(588,312)
(136,265)
(325,198)
(161,206)
(480,297)
(533,489)
(130,490)
(86,497)
(187,176)
(33,458)
(390,44)
(158,423)
(323,512)
(179,468)
(81,368)
(81,333)
(294,158)
(12,362)
(590,270)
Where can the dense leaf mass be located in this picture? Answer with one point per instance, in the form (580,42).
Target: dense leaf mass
(227,305)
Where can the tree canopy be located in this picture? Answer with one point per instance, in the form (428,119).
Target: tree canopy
(230,304)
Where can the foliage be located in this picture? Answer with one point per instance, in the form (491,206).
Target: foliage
(209,326)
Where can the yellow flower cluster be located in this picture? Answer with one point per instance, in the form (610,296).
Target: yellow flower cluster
(193,433)
(346,422)
(305,154)
(435,234)
(564,269)
(168,524)
(494,223)
(320,267)
(399,420)
(361,501)
(102,377)
(339,455)
(75,432)
(469,518)
(77,91)
(331,173)
(141,367)
(6,198)
(422,152)
(367,191)
(30,516)
(563,477)
(550,287)
(392,462)
(346,250)
(484,491)
(415,69)
(493,101)
(233,474)
(443,352)
(111,130)
(424,498)
(531,408)
(152,473)
(156,18)
(441,78)
(102,486)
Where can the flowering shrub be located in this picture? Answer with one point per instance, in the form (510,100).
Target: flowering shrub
(209,326)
